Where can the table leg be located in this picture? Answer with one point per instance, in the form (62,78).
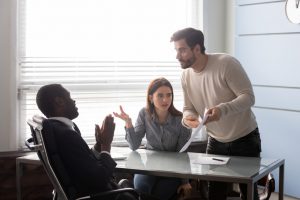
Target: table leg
(281,182)
(19,173)
(250,187)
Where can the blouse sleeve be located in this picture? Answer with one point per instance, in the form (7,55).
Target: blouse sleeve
(134,135)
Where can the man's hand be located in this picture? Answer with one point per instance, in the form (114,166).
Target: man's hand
(191,121)
(213,114)
(185,190)
(105,134)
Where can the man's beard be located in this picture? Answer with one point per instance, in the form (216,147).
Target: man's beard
(188,63)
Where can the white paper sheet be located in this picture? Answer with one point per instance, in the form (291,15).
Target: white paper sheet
(118,156)
(216,160)
(194,133)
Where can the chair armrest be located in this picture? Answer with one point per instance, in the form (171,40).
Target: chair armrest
(30,145)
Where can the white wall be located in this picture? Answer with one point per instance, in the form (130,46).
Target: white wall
(214,25)
(7,76)
(218,23)
(268,46)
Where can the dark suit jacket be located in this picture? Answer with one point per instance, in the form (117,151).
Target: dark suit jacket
(88,174)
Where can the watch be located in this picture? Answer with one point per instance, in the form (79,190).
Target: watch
(292,10)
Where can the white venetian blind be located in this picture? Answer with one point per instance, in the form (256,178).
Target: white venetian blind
(104,51)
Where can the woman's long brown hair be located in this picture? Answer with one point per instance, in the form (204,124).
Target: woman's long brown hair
(153,86)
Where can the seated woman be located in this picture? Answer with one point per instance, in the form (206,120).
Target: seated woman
(160,121)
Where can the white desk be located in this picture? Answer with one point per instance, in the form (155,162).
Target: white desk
(185,165)
(182,165)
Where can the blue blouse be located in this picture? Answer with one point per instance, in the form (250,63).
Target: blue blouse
(170,136)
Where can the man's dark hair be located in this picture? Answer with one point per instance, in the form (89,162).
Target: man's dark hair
(46,95)
(192,37)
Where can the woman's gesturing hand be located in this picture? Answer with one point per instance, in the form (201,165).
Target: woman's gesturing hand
(124,116)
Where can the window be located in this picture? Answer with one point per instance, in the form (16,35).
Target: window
(104,51)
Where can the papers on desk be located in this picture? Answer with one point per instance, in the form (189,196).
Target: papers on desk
(216,160)
(194,133)
(118,156)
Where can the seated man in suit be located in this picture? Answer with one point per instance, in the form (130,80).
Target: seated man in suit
(90,171)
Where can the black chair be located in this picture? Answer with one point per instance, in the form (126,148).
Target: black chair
(43,143)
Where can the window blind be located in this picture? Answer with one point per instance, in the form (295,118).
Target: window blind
(102,70)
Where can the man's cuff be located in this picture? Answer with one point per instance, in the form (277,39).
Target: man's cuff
(97,154)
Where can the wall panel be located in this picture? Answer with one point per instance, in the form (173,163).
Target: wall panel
(271,59)
(278,98)
(279,140)
(247,2)
(268,47)
(264,19)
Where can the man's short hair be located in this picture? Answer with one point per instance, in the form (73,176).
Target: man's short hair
(192,37)
(46,95)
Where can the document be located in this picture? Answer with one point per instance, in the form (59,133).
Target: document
(195,132)
(216,160)
(118,156)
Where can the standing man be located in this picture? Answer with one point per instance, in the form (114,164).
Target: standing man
(217,82)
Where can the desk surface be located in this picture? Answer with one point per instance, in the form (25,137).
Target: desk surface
(187,165)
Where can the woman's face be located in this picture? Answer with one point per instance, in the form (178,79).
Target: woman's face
(162,98)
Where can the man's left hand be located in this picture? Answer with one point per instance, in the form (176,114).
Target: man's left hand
(105,134)
(214,114)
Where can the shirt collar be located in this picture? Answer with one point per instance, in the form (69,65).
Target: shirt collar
(169,118)
(64,120)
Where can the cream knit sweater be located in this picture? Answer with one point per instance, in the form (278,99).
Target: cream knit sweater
(225,84)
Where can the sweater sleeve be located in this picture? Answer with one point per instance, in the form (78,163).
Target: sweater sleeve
(134,135)
(188,108)
(240,85)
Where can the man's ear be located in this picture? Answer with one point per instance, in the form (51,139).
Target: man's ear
(59,101)
(197,48)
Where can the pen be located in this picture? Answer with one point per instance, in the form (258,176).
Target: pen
(218,159)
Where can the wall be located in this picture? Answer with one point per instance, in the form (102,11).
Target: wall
(214,25)
(218,22)
(268,46)
(7,76)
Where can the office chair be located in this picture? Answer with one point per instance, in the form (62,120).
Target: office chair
(43,143)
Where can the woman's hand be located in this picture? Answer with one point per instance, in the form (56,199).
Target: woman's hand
(124,116)
(105,134)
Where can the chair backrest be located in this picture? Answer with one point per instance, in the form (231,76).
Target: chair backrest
(43,138)
(45,144)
